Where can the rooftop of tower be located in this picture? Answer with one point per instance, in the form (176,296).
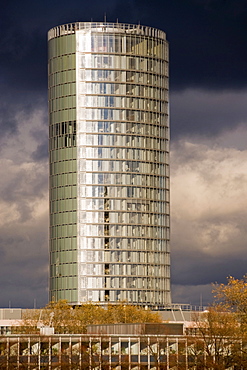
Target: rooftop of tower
(127,28)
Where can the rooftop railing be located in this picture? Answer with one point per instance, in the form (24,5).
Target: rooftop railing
(127,28)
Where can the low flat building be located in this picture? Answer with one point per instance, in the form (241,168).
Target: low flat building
(119,352)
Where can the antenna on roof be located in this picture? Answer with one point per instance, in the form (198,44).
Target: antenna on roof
(117,20)
(105,18)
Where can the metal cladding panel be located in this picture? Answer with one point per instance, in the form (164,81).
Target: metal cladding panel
(137,329)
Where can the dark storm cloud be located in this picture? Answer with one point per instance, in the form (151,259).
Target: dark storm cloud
(13,101)
(41,138)
(7,121)
(24,206)
(41,152)
(23,52)
(193,273)
(206,113)
(196,295)
(23,270)
(207,40)
(208,214)
(23,46)
(206,37)
(204,269)
(23,243)
(21,186)
(23,233)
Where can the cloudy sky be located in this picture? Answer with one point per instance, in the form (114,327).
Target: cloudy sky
(208,82)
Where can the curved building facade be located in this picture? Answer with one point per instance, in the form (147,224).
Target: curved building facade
(109,164)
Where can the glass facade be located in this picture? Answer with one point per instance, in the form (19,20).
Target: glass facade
(109,164)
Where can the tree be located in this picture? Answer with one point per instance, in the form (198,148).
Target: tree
(218,334)
(222,330)
(233,297)
(54,314)
(125,313)
(66,319)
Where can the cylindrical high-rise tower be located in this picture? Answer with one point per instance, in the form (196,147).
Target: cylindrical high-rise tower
(109,164)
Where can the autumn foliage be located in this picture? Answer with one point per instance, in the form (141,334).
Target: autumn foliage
(222,329)
(68,320)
